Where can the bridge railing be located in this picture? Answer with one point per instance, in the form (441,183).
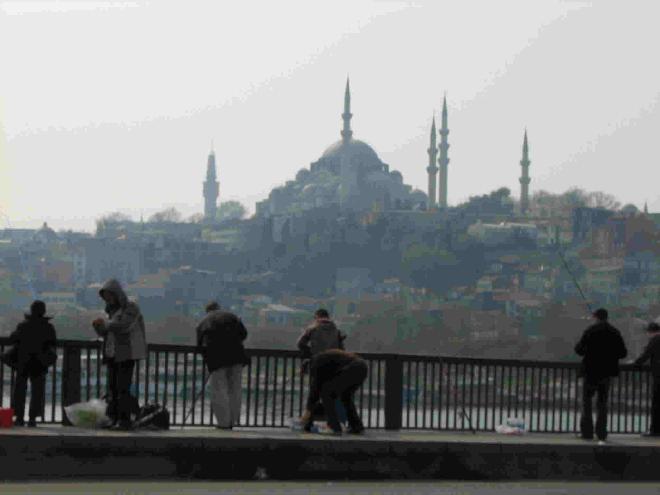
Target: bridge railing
(401,391)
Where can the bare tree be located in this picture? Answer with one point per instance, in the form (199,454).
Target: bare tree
(167,215)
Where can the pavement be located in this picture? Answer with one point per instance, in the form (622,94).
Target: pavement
(417,436)
(330,488)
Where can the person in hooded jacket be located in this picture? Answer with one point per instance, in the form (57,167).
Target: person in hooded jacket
(601,346)
(652,354)
(220,335)
(35,341)
(124,343)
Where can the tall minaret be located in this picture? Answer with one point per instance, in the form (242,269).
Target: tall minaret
(432,169)
(443,161)
(347,133)
(211,187)
(524,179)
(646,208)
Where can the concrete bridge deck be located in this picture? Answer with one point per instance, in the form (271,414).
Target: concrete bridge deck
(57,453)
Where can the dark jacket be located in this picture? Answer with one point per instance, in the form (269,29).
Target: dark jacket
(221,335)
(124,334)
(319,337)
(35,341)
(652,353)
(601,346)
(326,366)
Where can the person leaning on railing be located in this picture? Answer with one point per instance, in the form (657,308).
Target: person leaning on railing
(124,344)
(220,335)
(34,340)
(652,353)
(601,347)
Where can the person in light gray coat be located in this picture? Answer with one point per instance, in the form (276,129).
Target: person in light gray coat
(124,344)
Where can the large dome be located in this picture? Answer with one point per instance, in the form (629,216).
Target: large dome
(355,148)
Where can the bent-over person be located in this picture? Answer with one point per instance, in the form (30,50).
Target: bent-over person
(335,374)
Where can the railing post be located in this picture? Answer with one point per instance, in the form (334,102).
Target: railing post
(70,379)
(393,392)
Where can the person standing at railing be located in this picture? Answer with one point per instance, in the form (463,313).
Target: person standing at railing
(34,340)
(335,374)
(601,347)
(124,344)
(652,353)
(221,335)
(320,336)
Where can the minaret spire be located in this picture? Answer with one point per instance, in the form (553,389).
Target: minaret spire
(346,132)
(432,169)
(524,179)
(646,208)
(443,161)
(211,189)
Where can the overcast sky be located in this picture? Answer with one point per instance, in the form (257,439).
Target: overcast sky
(113,105)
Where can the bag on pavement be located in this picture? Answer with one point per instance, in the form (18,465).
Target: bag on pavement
(89,414)
(153,417)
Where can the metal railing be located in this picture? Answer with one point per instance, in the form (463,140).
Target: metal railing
(400,392)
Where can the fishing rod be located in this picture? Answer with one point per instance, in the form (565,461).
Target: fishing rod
(575,282)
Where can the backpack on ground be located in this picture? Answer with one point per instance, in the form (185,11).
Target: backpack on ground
(153,417)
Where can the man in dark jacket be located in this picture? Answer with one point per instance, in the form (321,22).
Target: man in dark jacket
(35,341)
(652,354)
(321,336)
(221,335)
(601,346)
(335,374)
(124,343)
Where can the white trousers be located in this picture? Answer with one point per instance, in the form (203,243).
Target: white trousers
(226,395)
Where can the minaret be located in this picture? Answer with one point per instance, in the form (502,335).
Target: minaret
(646,208)
(524,179)
(211,187)
(347,133)
(432,169)
(443,161)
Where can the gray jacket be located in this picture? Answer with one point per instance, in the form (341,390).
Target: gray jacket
(124,333)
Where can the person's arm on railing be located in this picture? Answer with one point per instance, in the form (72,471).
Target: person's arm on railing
(303,343)
(581,346)
(646,355)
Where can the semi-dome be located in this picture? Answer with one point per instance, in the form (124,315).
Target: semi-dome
(355,147)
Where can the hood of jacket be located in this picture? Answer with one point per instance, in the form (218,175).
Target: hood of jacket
(113,286)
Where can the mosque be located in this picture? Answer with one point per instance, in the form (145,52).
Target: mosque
(350,176)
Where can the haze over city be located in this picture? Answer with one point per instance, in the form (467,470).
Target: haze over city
(113,106)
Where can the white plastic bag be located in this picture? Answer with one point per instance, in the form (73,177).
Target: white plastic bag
(512,426)
(88,414)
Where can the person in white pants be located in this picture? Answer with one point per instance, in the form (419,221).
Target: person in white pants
(221,335)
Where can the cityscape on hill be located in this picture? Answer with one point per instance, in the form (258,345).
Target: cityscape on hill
(511,273)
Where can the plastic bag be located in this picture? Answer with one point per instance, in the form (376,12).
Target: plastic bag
(88,414)
(512,426)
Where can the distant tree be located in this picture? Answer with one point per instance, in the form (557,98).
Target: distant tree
(167,215)
(196,218)
(115,217)
(231,210)
(599,199)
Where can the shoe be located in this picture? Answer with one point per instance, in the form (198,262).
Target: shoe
(122,426)
(226,428)
(602,442)
(355,431)
(32,423)
(19,422)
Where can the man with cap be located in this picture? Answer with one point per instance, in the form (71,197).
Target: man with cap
(124,344)
(601,347)
(35,341)
(652,354)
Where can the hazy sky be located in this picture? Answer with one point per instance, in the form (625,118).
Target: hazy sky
(112,105)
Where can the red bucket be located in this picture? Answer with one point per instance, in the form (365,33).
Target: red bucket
(6,417)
